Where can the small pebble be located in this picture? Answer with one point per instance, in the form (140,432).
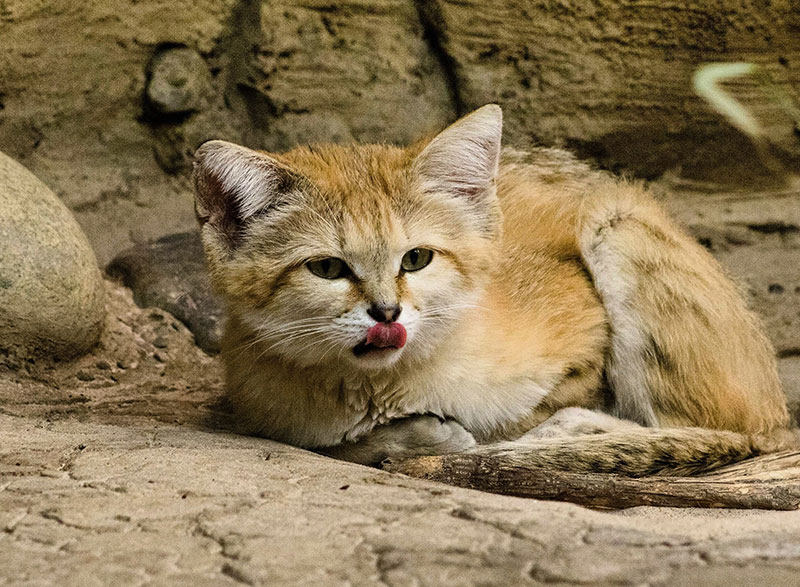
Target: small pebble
(179,82)
(103,365)
(160,341)
(775,288)
(84,375)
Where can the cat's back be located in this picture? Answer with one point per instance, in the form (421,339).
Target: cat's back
(541,280)
(540,192)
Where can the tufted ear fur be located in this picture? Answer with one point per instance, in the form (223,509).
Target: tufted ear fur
(233,184)
(463,159)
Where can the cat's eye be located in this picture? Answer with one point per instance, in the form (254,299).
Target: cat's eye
(328,268)
(416,259)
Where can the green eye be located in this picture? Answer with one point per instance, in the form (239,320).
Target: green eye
(328,268)
(416,259)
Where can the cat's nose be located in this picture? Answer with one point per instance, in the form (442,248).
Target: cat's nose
(384,312)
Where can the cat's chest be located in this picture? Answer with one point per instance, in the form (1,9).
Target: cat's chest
(373,402)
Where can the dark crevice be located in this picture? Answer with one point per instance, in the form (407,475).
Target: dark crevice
(240,47)
(773,227)
(237,574)
(433,27)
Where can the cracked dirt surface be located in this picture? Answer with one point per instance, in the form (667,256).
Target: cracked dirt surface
(118,469)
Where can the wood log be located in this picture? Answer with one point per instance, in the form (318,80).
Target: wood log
(770,482)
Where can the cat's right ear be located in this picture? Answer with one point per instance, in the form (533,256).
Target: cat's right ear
(463,159)
(233,184)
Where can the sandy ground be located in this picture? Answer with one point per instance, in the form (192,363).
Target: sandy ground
(118,468)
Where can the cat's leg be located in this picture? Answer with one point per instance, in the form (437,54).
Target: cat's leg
(413,436)
(684,350)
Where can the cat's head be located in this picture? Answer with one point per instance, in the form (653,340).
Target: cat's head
(367,254)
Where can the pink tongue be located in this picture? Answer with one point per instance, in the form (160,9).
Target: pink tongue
(385,335)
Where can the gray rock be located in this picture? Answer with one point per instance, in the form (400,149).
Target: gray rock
(182,506)
(171,274)
(179,81)
(51,291)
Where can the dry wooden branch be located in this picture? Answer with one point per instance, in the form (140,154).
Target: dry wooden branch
(769,482)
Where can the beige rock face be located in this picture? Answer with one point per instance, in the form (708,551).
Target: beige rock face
(346,70)
(51,295)
(610,79)
(73,81)
(179,81)
(614,79)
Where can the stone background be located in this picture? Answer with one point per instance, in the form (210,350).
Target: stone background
(608,78)
(115,468)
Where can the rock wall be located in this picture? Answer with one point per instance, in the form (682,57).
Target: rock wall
(82,86)
(72,78)
(612,78)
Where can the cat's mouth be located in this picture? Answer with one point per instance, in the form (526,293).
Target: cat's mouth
(381,338)
(363,348)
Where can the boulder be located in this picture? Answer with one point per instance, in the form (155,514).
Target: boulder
(51,291)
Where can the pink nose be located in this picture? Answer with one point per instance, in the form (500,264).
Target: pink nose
(387,334)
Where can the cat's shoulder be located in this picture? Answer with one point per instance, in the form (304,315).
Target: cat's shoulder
(547,164)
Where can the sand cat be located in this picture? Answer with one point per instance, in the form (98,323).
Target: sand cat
(453,296)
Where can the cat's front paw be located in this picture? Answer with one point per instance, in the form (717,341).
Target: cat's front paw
(430,435)
(420,435)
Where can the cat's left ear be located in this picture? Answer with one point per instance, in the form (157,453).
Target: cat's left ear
(234,184)
(463,159)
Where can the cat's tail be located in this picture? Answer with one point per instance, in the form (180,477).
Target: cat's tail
(639,451)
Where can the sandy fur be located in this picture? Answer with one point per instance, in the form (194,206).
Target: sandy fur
(553,286)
